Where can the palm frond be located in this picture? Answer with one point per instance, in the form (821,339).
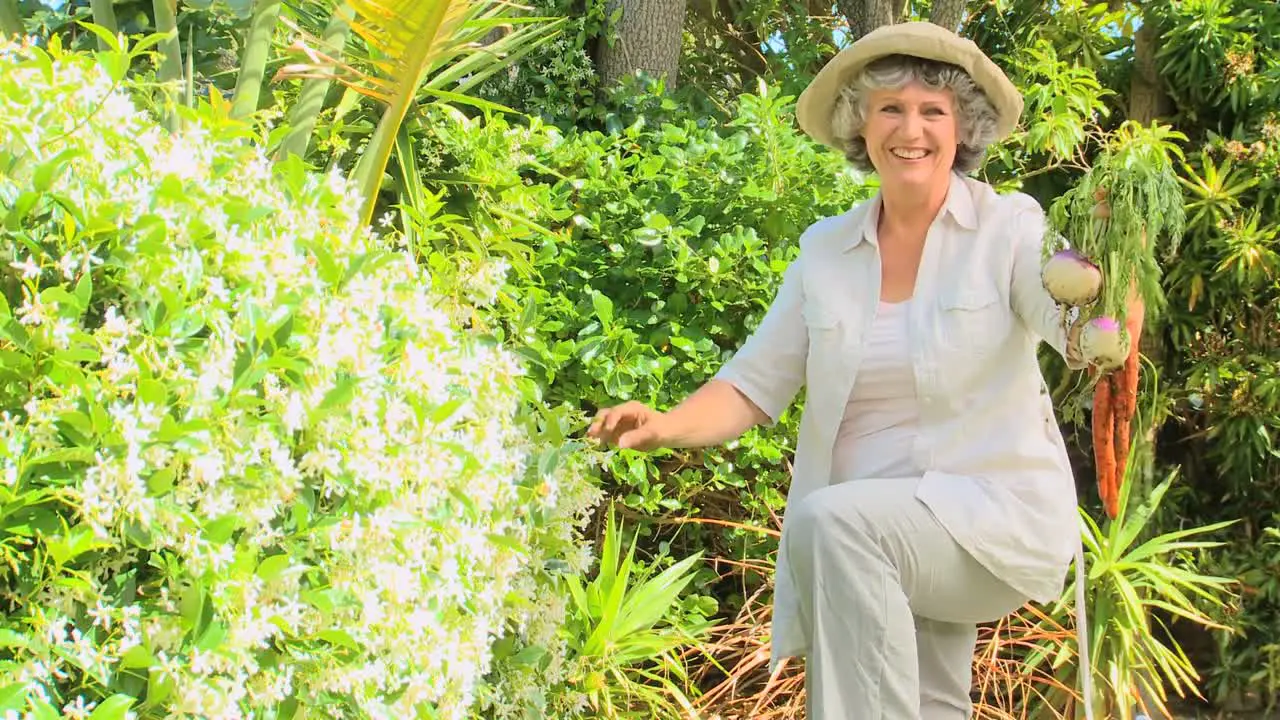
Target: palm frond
(439,48)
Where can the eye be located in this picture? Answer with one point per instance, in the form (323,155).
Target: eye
(935,111)
(889,108)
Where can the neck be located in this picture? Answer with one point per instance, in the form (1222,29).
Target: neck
(908,209)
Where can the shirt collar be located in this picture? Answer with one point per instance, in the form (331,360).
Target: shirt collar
(959,205)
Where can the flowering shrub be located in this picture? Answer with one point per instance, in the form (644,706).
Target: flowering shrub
(250,465)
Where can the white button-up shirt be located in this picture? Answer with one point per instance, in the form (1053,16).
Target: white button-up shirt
(996,469)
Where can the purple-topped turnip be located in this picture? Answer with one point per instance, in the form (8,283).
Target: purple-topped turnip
(1071,279)
(1104,343)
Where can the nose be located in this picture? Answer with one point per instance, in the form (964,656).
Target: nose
(911,124)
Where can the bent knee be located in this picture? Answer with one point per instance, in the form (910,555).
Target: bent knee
(831,510)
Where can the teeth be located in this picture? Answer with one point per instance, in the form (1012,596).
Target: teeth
(910,154)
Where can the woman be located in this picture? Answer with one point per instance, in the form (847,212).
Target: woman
(931,489)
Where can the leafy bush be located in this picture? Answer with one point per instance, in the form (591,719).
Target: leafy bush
(249,462)
(659,244)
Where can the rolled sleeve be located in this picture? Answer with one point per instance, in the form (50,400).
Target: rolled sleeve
(769,367)
(1031,301)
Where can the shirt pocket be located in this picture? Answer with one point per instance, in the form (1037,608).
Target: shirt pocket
(826,348)
(818,317)
(974,319)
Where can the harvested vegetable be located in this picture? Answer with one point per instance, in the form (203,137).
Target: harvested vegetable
(1125,384)
(1104,454)
(1071,278)
(1104,344)
(1122,213)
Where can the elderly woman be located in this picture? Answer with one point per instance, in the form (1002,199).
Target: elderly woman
(931,489)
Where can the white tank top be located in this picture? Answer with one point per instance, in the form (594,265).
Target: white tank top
(879,427)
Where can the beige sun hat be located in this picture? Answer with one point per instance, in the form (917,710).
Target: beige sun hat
(920,39)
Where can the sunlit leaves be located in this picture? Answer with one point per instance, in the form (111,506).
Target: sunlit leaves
(1250,251)
(1064,103)
(1215,190)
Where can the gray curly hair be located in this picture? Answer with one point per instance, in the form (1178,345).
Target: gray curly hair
(975,115)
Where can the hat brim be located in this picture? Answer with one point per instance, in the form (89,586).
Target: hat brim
(919,39)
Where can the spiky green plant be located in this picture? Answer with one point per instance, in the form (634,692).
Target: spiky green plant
(625,635)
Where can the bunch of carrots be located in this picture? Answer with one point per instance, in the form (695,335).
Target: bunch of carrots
(1125,216)
(1110,346)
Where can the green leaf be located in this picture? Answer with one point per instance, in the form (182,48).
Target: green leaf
(191,606)
(529,656)
(113,708)
(508,542)
(339,637)
(220,530)
(13,697)
(548,462)
(154,393)
(11,639)
(212,636)
(110,40)
(271,568)
(159,688)
(64,455)
(137,657)
(41,710)
(161,481)
(78,541)
(21,208)
(46,172)
(114,64)
(58,294)
(446,410)
(604,309)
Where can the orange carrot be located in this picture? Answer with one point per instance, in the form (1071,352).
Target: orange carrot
(1126,381)
(1126,402)
(1103,441)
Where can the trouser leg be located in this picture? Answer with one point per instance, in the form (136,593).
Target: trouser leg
(867,558)
(945,652)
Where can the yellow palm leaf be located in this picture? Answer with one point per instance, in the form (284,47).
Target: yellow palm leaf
(416,46)
(409,35)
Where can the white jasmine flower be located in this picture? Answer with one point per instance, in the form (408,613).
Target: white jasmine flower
(30,270)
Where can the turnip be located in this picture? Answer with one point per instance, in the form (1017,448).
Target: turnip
(1071,278)
(1104,344)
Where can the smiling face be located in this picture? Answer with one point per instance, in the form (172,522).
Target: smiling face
(911,135)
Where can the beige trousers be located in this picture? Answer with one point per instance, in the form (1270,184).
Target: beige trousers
(890,604)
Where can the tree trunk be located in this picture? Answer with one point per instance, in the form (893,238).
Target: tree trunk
(10,19)
(647,37)
(104,15)
(1147,99)
(948,13)
(867,15)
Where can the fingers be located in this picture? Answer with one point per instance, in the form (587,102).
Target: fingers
(606,421)
(642,438)
(617,424)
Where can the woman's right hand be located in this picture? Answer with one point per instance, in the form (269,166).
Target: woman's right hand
(631,425)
